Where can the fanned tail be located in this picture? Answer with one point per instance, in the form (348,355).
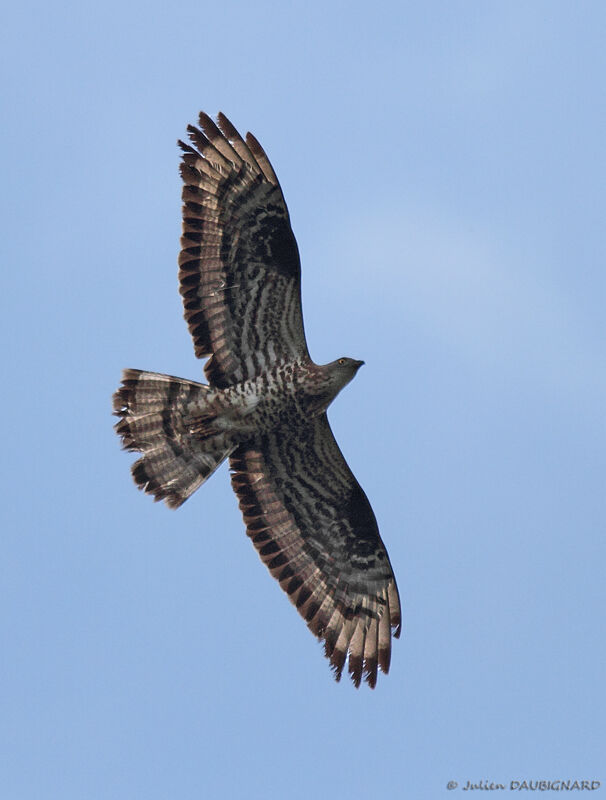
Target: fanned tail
(155,414)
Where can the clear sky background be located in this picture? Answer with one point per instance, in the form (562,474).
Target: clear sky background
(444,165)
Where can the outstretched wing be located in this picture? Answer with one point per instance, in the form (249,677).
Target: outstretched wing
(240,275)
(316,532)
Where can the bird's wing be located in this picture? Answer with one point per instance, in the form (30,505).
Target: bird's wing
(240,274)
(315,530)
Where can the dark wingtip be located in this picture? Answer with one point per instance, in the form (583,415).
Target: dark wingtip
(208,126)
(204,119)
(371,675)
(253,143)
(226,126)
(336,672)
(355,670)
(187,148)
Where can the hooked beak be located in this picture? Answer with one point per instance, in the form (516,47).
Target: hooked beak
(359,364)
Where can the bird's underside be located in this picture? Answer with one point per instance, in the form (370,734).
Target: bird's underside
(264,406)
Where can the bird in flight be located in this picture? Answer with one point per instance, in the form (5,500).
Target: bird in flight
(264,406)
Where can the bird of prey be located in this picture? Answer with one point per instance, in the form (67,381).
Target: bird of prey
(264,406)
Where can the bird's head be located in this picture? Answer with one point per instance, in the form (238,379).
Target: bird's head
(342,371)
(346,366)
(327,381)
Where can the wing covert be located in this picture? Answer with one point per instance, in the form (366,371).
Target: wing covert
(239,268)
(316,532)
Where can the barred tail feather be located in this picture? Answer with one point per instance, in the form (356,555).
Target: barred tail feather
(154,410)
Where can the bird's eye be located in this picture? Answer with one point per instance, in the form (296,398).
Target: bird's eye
(341,361)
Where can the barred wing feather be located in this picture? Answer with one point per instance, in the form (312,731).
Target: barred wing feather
(316,532)
(240,274)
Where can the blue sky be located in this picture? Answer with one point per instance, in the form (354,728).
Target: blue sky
(444,167)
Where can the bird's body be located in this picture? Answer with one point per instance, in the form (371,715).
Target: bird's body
(285,397)
(264,406)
